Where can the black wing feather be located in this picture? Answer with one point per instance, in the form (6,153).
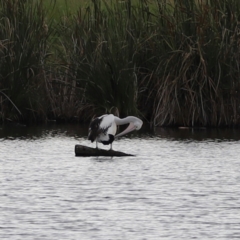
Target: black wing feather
(94,129)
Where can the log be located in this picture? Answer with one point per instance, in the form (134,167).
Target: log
(84,151)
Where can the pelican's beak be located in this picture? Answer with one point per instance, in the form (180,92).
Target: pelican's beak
(130,128)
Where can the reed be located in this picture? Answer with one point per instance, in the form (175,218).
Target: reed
(99,59)
(23,33)
(174,62)
(194,71)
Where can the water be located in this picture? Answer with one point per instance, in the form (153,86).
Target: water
(182,184)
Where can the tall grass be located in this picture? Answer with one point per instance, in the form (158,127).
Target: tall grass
(171,62)
(23,34)
(99,58)
(197,78)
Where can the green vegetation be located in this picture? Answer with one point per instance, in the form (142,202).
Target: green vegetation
(170,62)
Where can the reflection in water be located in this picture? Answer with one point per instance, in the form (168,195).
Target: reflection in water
(182,184)
(42,131)
(199,134)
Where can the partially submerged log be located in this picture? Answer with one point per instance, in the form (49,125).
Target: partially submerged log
(83,151)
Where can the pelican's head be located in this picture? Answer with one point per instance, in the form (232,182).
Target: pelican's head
(134,124)
(138,124)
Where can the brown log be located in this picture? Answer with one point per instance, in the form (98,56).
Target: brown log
(83,151)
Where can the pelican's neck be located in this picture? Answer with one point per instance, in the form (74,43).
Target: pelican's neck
(122,121)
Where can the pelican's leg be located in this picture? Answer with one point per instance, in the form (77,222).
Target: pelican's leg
(110,147)
(96,144)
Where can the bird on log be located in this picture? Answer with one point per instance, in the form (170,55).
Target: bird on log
(103,129)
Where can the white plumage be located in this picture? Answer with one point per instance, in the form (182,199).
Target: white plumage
(103,129)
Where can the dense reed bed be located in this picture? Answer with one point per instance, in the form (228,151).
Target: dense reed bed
(172,63)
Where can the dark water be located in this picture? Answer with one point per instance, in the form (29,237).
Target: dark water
(182,184)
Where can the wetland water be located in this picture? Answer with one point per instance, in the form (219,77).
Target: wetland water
(182,184)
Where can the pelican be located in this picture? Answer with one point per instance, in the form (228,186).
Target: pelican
(103,129)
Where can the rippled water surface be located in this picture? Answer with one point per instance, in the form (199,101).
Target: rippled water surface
(182,184)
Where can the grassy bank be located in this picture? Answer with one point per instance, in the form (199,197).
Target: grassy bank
(170,62)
